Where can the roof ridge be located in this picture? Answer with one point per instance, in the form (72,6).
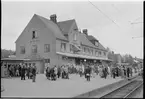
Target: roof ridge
(66,20)
(41,17)
(88,40)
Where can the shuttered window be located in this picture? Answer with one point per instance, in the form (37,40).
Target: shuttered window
(22,49)
(46,48)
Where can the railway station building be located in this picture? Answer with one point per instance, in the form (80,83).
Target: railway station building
(47,41)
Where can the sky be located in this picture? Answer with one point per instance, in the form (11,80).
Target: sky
(99,22)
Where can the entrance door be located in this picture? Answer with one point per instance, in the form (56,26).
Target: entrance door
(46,64)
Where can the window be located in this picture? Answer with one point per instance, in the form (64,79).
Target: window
(84,49)
(96,43)
(71,48)
(75,36)
(104,54)
(96,53)
(22,48)
(63,46)
(34,34)
(46,48)
(34,49)
(88,50)
(99,53)
(91,51)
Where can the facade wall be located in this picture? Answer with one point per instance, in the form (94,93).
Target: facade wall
(39,65)
(45,36)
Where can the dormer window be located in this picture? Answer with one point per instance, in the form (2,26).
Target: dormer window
(104,53)
(96,43)
(75,29)
(34,34)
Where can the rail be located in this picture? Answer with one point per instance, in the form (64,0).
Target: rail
(127,95)
(124,91)
(97,92)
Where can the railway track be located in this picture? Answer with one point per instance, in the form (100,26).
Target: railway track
(97,93)
(124,91)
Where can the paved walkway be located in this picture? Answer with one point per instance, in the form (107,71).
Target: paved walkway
(44,88)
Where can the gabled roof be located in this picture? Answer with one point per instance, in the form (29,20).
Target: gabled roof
(47,23)
(85,41)
(65,26)
(101,47)
(90,37)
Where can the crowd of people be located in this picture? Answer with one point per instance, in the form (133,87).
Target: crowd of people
(57,72)
(85,69)
(21,70)
(88,70)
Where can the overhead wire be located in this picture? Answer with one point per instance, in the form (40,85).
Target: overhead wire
(103,13)
(137,37)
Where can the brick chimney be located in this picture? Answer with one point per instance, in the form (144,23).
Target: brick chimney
(85,31)
(53,18)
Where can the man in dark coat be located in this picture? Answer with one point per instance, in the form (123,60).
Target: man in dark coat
(87,73)
(105,72)
(114,72)
(19,70)
(34,73)
(31,69)
(28,72)
(59,72)
(23,73)
(128,70)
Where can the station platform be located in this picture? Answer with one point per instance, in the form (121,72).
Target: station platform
(60,88)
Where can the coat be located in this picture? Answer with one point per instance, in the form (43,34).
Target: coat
(23,71)
(34,71)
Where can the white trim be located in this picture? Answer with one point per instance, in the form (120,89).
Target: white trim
(81,56)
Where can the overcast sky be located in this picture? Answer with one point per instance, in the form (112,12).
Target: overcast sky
(118,37)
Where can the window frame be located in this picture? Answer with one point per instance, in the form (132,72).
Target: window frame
(75,37)
(71,48)
(100,53)
(34,34)
(96,53)
(46,48)
(96,43)
(63,46)
(104,53)
(85,49)
(33,50)
(22,50)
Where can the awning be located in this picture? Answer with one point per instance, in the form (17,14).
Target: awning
(13,58)
(136,61)
(83,56)
(66,54)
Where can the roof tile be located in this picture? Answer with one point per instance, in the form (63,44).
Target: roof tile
(47,23)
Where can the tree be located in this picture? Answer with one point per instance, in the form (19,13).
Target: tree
(6,53)
(128,59)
